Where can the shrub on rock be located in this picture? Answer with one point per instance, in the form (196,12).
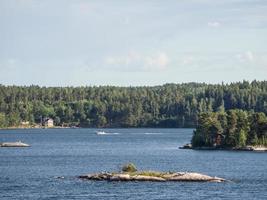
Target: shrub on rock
(130,167)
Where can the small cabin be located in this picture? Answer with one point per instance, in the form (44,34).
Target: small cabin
(48,122)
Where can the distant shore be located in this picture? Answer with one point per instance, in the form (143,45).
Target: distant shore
(76,127)
(38,127)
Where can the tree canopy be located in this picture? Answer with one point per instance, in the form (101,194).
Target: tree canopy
(234,128)
(169,105)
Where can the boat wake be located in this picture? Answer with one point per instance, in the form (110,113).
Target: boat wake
(105,133)
(153,133)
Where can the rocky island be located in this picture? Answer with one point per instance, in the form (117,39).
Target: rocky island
(130,173)
(14,144)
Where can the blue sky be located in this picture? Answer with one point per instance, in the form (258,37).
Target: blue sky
(125,42)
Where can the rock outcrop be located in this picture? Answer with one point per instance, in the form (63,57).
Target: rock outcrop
(14,144)
(152,176)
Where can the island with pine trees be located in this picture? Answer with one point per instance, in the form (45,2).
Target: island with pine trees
(232,130)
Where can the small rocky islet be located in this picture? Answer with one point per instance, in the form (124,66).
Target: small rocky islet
(14,144)
(130,173)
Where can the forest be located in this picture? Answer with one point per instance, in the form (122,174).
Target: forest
(234,128)
(169,105)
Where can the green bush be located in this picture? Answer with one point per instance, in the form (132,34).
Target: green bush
(130,167)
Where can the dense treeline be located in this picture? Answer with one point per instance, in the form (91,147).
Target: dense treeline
(234,128)
(170,105)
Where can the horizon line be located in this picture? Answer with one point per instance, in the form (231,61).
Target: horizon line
(134,86)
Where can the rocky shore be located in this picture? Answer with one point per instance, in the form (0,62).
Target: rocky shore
(246,148)
(129,173)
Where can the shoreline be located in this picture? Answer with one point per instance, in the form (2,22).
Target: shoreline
(21,128)
(256,148)
(60,127)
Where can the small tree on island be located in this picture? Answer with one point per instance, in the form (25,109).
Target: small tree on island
(130,167)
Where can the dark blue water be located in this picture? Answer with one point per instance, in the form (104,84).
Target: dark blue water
(30,173)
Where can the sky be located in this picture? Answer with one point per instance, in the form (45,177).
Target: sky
(132,43)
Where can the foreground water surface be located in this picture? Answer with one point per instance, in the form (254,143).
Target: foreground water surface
(31,173)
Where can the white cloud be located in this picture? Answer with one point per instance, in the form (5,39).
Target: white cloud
(252,60)
(9,64)
(125,21)
(214,24)
(247,56)
(158,61)
(188,60)
(131,58)
(136,61)
(11,61)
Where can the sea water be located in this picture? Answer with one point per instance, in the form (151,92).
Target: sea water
(49,168)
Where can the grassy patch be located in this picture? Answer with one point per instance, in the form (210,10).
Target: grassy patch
(149,173)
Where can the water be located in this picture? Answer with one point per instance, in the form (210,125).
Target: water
(31,173)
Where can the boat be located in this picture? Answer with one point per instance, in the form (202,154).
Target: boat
(101,133)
